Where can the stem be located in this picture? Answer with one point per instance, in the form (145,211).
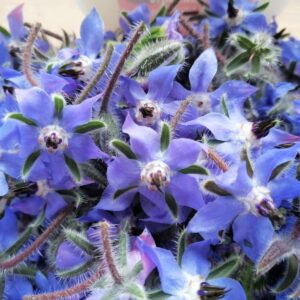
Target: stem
(179,113)
(295,234)
(118,69)
(47,32)
(218,160)
(190,29)
(74,290)
(85,92)
(206,41)
(27,54)
(104,232)
(171,7)
(37,243)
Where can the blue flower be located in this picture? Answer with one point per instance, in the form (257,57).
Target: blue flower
(189,281)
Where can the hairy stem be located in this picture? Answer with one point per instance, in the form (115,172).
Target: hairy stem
(214,156)
(295,234)
(189,28)
(118,69)
(206,40)
(74,290)
(104,232)
(47,32)
(27,54)
(37,243)
(85,92)
(179,113)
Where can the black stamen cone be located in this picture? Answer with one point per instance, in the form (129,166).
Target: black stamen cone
(211,292)
(231,10)
(262,128)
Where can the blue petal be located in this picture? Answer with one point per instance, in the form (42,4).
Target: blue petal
(216,215)
(16,287)
(16,24)
(52,83)
(144,141)
(8,229)
(235,290)
(171,277)
(36,104)
(28,205)
(266,163)
(284,189)
(3,184)
(123,173)
(203,71)
(161,82)
(92,34)
(195,259)
(255,238)
(255,22)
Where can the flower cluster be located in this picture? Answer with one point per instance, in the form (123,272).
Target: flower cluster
(160,161)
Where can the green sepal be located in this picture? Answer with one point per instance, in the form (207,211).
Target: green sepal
(119,193)
(59,104)
(4,31)
(181,245)
(76,271)
(21,118)
(31,159)
(255,64)
(89,126)
(249,167)
(24,236)
(224,107)
(261,7)
(214,188)
(136,291)
(161,13)
(123,246)
(165,137)
(226,269)
(28,271)
(79,240)
(245,43)
(290,275)
(73,167)
(157,295)
(238,61)
(71,196)
(277,171)
(172,205)
(123,148)
(195,169)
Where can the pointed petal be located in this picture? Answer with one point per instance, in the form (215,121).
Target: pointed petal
(8,229)
(92,33)
(3,185)
(52,83)
(203,71)
(16,25)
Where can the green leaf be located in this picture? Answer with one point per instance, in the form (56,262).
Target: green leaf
(224,107)
(181,245)
(21,118)
(4,31)
(59,103)
(119,193)
(31,159)
(123,148)
(73,167)
(79,240)
(238,61)
(165,137)
(172,204)
(226,269)
(214,188)
(245,43)
(195,169)
(261,7)
(89,126)
(255,64)
(290,276)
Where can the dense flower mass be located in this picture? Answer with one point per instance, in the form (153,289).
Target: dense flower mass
(159,161)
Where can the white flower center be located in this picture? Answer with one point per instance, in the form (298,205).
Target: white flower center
(202,102)
(244,133)
(236,20)
(192,287)
(43,188)
(53,138)
(148,112)
(156,175)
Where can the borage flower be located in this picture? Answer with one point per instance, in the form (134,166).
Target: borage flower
(156,169)
(249,198)
(190,280)
(53,134)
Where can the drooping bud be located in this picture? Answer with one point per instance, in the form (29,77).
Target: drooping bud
(156,175)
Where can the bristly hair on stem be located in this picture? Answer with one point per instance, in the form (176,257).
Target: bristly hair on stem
(118,69)
(107,252)
(189,28)
(74,290)
(214,156)
(14,261)
(28,52)
(179,113)
(99,73)
(47,32)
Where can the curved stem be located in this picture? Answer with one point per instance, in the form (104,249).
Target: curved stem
(27,54)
